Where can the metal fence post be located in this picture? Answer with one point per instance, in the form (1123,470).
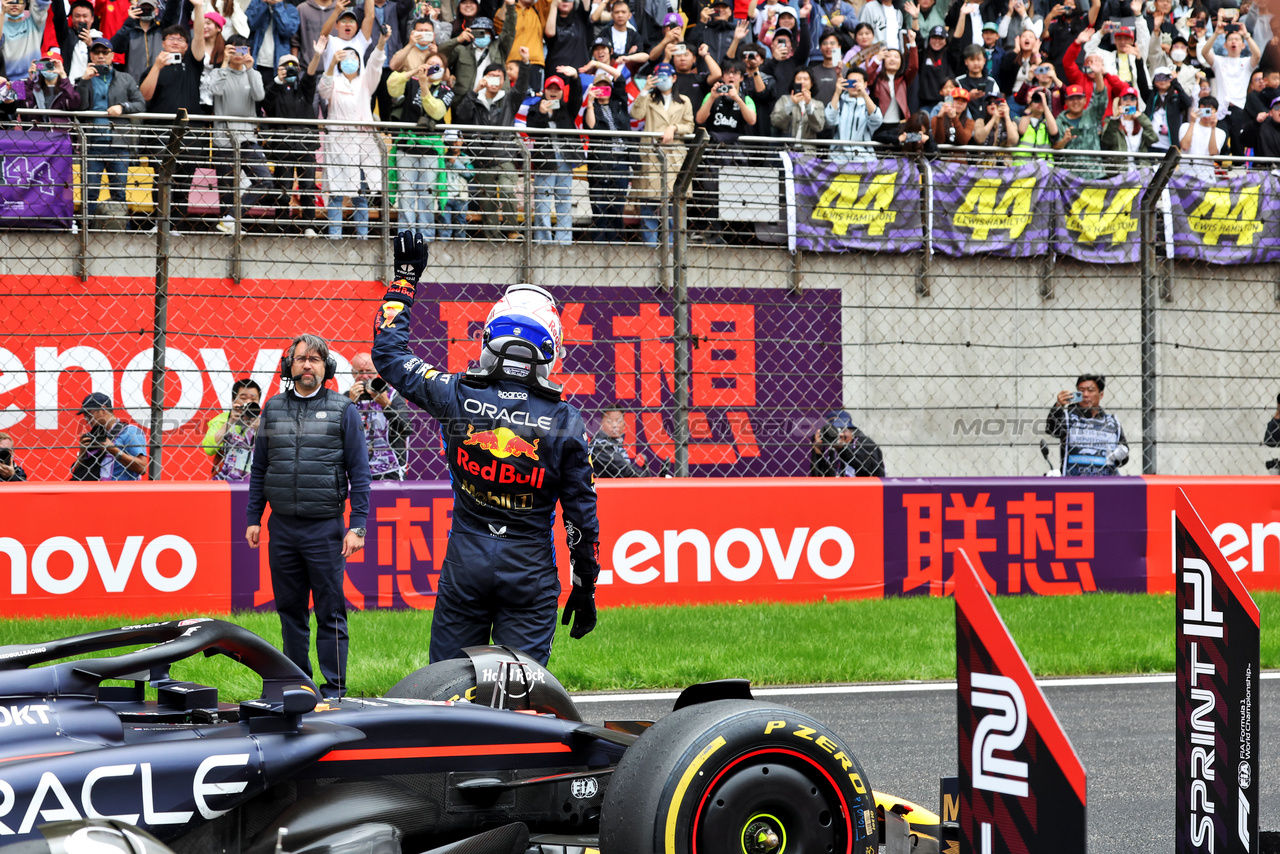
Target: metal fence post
(164,183)
(1152,278)
(82,147)
(924,271)
(237,209)
(526,250)
(385,252)
(665,261)
(680,302)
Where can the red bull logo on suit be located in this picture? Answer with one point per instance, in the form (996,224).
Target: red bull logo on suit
(502,442)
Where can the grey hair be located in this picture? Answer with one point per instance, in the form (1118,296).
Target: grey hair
(311,342)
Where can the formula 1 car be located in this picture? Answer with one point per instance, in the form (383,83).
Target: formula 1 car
(480,754)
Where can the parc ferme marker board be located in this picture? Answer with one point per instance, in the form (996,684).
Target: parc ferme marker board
(1217,666)
(1022,787)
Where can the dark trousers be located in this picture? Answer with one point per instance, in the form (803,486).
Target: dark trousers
(487,592)
(296,160)
(607,187)
(306,561)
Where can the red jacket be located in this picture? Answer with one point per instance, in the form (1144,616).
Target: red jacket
(880,89)
(1078,78)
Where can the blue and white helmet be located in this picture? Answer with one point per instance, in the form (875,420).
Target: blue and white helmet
(523,329)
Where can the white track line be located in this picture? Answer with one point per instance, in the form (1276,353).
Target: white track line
(895,688)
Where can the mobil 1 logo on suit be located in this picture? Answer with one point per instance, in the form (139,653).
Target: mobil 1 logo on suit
(1217,698)
(1022,787)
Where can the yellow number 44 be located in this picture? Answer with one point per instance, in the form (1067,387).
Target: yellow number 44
(843,207)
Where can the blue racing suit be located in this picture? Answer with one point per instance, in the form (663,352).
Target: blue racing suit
(512,454)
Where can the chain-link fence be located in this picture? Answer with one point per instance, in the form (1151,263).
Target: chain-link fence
(696,296)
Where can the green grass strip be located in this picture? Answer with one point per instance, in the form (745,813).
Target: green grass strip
(773,644)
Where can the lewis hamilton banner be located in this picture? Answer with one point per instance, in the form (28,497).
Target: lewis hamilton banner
(1006,210)
(835,207)
(1231,221)
(1097,221)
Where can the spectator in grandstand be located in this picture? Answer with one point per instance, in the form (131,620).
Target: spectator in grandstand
(237,90)
(1263,87)
(952,125)
(887,21)
(889,88)
(458,169)
(1128,129)
(715,35)
(786,62)
(23,30)
(554,157)
(855,116)
(997,128)
(728,115)
(1018,68)
(172,84)
(609,456)
(690,81)
(671,115)
(109,448)
(1271,438)
(529,20)
(840,449)
(932,14)
(826,74)
(352,156)
(975,81)
(1231,79)
(865,47)
(420,179)
(992,50)
(492,104)
(568,34)
(623,38)
(11,470)
(935,70)
(1062,24)
(75,32)
(609,159)
(141,37)
(757,85)
(104,89)
(473,53)
(1080,121)
(349,31)
(244,391)
(1044,78)
(385,418)
(1091,440)
(1182,61)
(422,45)
(1203,138)
(272,26)
(312,15)
(49,89)
(393,17)
(1167,106)
(915,136)
(1130,48)
(290,94)
(1269,133)
(1018,21)
(1037,129)
(798,115)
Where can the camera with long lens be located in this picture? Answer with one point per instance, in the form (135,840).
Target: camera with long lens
(372,389)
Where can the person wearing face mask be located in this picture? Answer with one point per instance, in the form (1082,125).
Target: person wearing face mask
(23,31)
(1167,104)
(103,89)
(420,176)
(671,115)
(1180,62)
(474,52)
(49,89)
(237,89)
(352,156)
(420,46)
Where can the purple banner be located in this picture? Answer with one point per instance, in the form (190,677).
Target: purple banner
(765,369)
(1097,221)
(844,206)
(35,178)
(1005,210)
(1023,537)
(398,568)
(1231,221)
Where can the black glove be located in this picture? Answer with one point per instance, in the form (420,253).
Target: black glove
(411,260)
(580,609)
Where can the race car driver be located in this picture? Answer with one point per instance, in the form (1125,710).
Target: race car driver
(514,448)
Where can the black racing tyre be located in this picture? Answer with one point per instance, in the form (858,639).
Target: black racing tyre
(454,679)
(738,776)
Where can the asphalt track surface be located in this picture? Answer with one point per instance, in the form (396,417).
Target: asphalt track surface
(1122,730)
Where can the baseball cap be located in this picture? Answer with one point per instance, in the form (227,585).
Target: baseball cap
(481,24)
(991,27)
(288,59)
(938,32)
(1166,73)
(787,10)
(959,93)
(602,42)
(784,31)
(1274,101)
(1177,39)
(1128,92)
(221,22)
(100,42)
(452,136)
(95,401)
(53,53)
(721,3)
(346,13)
(1124,31)
(664,69)
(555,80)
(840,420)
(673,20)
(1075,90)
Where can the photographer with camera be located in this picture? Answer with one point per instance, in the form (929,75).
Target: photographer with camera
(997,128)
(23,32)
(1091,441)
(309,456)
(109,449)
(840,449)
(243,392)
(10,470)
(49,89)
(140,38)
(385,417)
(236,448)
(1037,129)
(1128,129)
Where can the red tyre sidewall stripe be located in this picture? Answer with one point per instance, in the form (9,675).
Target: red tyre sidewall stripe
(844,807)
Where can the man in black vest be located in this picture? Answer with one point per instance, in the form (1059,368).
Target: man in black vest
(309,450)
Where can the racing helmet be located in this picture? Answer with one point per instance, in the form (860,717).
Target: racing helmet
(523,332)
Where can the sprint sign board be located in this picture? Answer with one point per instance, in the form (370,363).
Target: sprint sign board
(83,551)
(749,539)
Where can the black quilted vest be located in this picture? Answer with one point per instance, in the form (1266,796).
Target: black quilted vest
(306,474)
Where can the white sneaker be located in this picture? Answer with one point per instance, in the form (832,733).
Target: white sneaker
(310,232)
(227,225)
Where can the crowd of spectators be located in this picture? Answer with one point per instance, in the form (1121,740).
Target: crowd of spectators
(1033,76)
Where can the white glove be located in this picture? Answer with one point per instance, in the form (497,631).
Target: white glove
(1118,456)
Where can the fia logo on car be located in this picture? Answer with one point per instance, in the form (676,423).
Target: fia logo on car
(585,787)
